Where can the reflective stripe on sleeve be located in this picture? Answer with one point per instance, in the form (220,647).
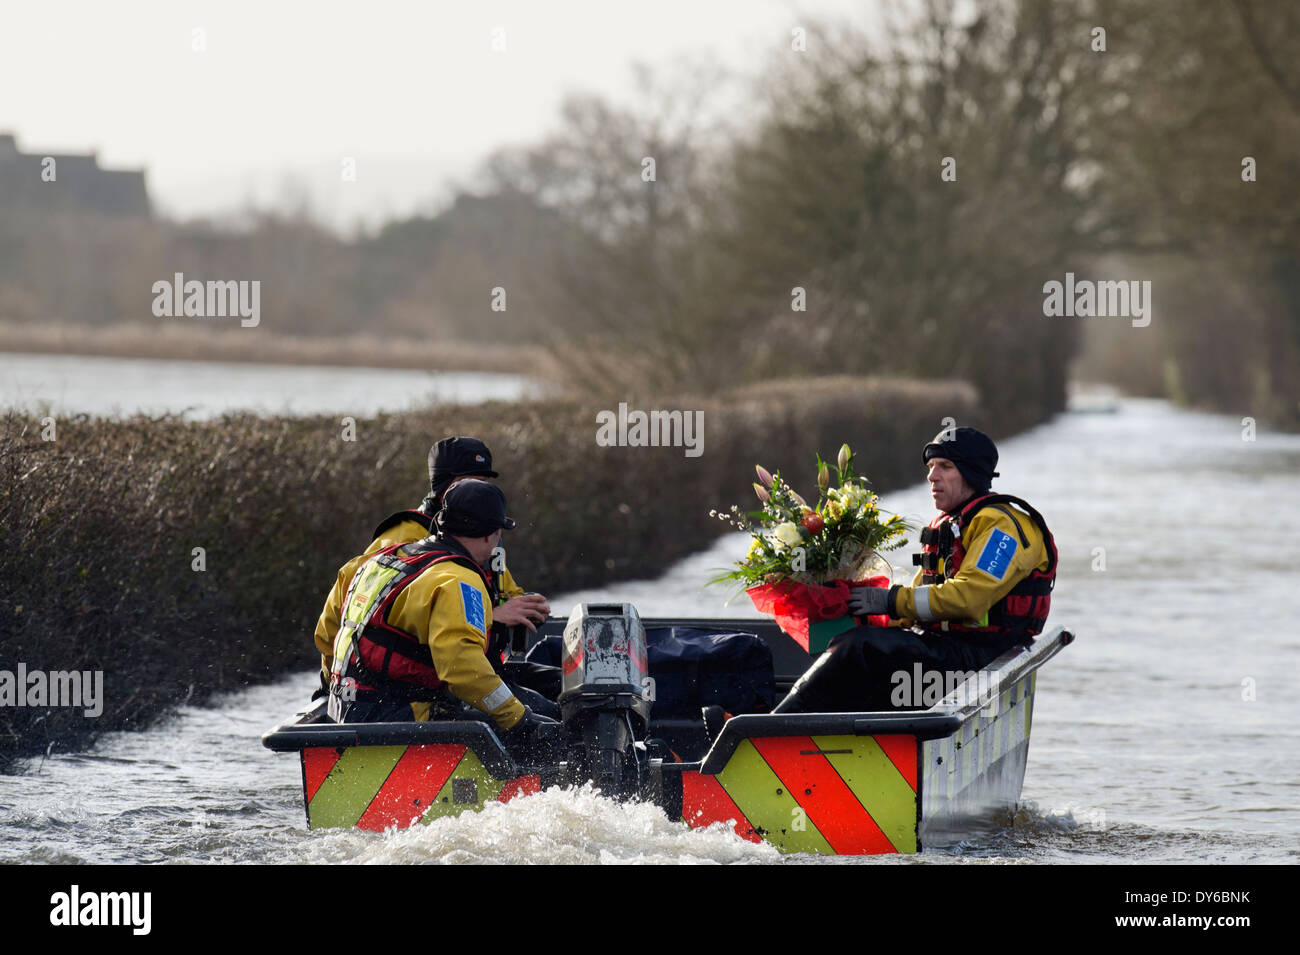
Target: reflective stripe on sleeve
(922,597)
(497,697)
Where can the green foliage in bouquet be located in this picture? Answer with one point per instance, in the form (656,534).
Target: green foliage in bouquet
(836,540)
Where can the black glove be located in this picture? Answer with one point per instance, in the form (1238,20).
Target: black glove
(526,728)
(531,738)
(866,600)
(537,718)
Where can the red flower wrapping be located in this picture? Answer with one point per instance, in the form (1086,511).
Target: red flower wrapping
(795,606)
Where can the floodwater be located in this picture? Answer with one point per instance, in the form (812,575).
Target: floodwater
(1167,733)
(104,387)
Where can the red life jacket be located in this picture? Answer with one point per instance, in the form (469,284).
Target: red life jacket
(427,521)
(386,662)
(1023,611)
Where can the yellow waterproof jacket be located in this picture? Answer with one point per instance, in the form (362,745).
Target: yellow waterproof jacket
(447,608)
(407,532)
(967,596)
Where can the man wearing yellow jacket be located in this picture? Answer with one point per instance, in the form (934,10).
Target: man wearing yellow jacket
(988,565)
(413,639)
(450,460)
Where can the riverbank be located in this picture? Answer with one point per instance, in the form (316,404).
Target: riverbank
(184,558)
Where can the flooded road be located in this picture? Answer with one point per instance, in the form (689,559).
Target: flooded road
(1168,732)
(198,390)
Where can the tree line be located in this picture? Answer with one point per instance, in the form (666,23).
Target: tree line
(885,202)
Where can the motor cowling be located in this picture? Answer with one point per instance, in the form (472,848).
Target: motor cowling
(605,662)
(604,699)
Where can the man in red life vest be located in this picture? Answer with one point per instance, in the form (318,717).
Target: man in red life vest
(450,460)
(416,619)
(988,565)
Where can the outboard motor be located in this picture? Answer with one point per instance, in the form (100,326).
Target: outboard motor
(604,703)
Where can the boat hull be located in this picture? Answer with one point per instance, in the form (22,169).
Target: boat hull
(393,787)
(836,783)
(830,794)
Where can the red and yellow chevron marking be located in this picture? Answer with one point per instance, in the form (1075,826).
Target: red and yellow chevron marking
(316,765)
(901,751)
(705,802)
(480,786)
(404,794)
(828,802)
(523,786)
(381,787)
(828,794)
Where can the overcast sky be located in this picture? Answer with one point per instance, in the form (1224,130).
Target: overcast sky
(413,91)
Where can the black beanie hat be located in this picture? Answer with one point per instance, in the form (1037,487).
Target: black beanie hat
(452,457)
(473,508)
(972,451)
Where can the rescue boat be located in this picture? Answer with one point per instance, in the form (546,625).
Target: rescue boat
(836,783)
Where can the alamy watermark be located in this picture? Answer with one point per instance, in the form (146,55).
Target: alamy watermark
(194,299)
(927,688)
(651,429)
(1085,298)
(40,688)
(75,907)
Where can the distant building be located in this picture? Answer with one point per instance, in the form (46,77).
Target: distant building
(78,184)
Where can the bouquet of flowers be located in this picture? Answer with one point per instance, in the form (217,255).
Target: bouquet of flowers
(802,560)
